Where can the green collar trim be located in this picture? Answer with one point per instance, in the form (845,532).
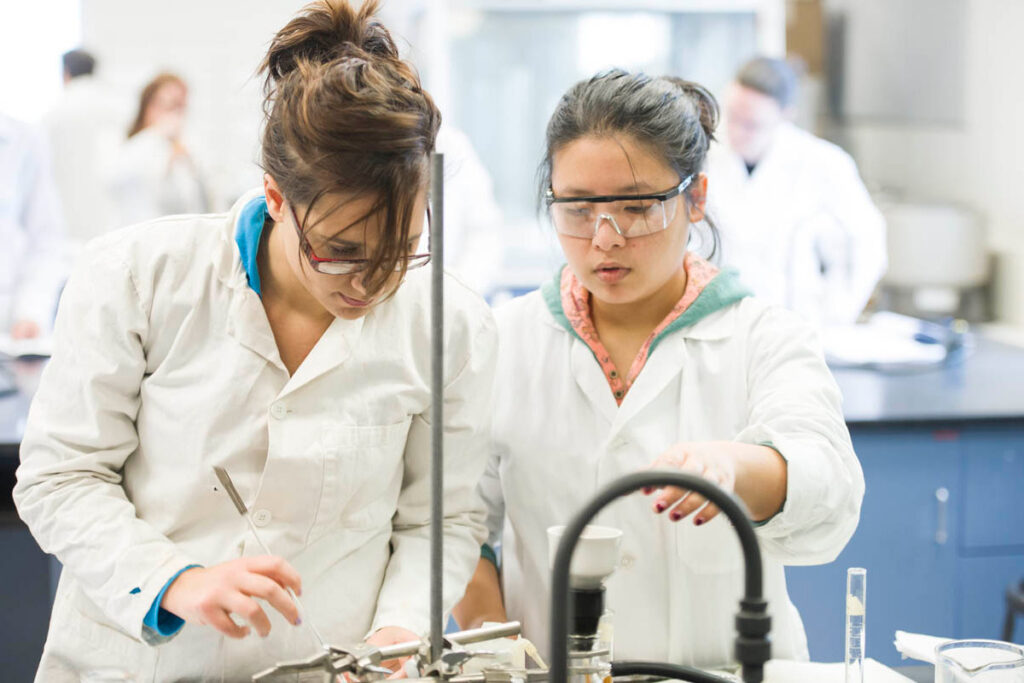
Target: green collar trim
(724,290)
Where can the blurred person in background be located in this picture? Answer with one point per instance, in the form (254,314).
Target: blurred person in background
(32,266)
(795,216)
(473,220)
(85,128)
(155,174)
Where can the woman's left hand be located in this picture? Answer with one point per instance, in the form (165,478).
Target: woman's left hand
(392,635)
(756,474)
(701,459)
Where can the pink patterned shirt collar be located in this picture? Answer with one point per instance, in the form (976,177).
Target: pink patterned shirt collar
(576,305)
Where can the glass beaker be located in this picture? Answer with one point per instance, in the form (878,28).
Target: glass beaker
(979,661)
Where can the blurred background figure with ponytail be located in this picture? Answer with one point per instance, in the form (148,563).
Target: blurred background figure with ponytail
(155,173)
(286,341)
(795,216)
(655,358)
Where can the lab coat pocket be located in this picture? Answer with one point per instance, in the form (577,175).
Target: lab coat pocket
(710,549)
(364,466)
(88,642)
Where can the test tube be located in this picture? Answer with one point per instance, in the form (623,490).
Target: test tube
(856,602)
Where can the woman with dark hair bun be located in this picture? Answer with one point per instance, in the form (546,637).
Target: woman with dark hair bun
(656,358)
(287,342)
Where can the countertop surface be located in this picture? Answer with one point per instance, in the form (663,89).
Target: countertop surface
(983,383)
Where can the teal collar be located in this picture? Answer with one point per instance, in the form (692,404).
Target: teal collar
(724,290)
(248,232)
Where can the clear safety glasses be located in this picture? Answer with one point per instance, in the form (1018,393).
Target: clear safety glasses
(629,215)
(348,266)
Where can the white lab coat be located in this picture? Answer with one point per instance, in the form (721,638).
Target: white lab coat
(749,373)
(86,127)
(473,224)
(802,229)
(164,366)
(147,181)
(33,263)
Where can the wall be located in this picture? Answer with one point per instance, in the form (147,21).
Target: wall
(978,162)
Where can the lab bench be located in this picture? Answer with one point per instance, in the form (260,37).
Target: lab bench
(942,524)
(941,531)
(26,573)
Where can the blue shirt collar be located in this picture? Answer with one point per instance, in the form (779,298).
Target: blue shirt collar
(248,232)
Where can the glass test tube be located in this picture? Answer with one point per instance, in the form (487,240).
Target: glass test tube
(856,602)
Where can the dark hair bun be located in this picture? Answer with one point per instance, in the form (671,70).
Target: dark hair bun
(705,102)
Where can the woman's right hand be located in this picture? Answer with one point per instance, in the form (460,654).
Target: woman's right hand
(209,595)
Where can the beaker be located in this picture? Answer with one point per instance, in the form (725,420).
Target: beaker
(979,661)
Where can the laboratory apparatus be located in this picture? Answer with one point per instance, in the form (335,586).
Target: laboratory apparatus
(979,661)
(752,646)
(591,628)
(856,604)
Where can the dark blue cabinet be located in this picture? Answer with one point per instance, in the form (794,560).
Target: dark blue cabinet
(940,535)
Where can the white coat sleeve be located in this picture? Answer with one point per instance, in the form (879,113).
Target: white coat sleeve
(80,432)
(404,598)
(493,497)
(862,260)
(46,251)
(794,405)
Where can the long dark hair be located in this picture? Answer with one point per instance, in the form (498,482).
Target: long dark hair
(344,114)
(672,117)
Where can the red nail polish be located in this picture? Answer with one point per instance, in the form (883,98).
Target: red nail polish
(660,507)
(699,521)
(676,516)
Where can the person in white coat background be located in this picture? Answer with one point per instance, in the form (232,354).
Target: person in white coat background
(154,173)
(33,264)
(85,128)
(795,217)
(288,342)
(640,353)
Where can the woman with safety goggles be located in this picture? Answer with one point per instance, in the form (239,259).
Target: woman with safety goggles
(286,342)
(641,354)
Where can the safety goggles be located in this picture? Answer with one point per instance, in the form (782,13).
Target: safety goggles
(630,215)
(348,266)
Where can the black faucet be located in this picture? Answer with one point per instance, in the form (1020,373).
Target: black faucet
(753,623)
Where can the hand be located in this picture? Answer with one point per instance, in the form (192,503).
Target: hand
(392,635)
(170,124)
(702,459)
(757,474)
(24,329)
(209,595)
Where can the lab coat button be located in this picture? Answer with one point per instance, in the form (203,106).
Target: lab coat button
(619,443)
(262,518)
(627,561)
(278,410)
